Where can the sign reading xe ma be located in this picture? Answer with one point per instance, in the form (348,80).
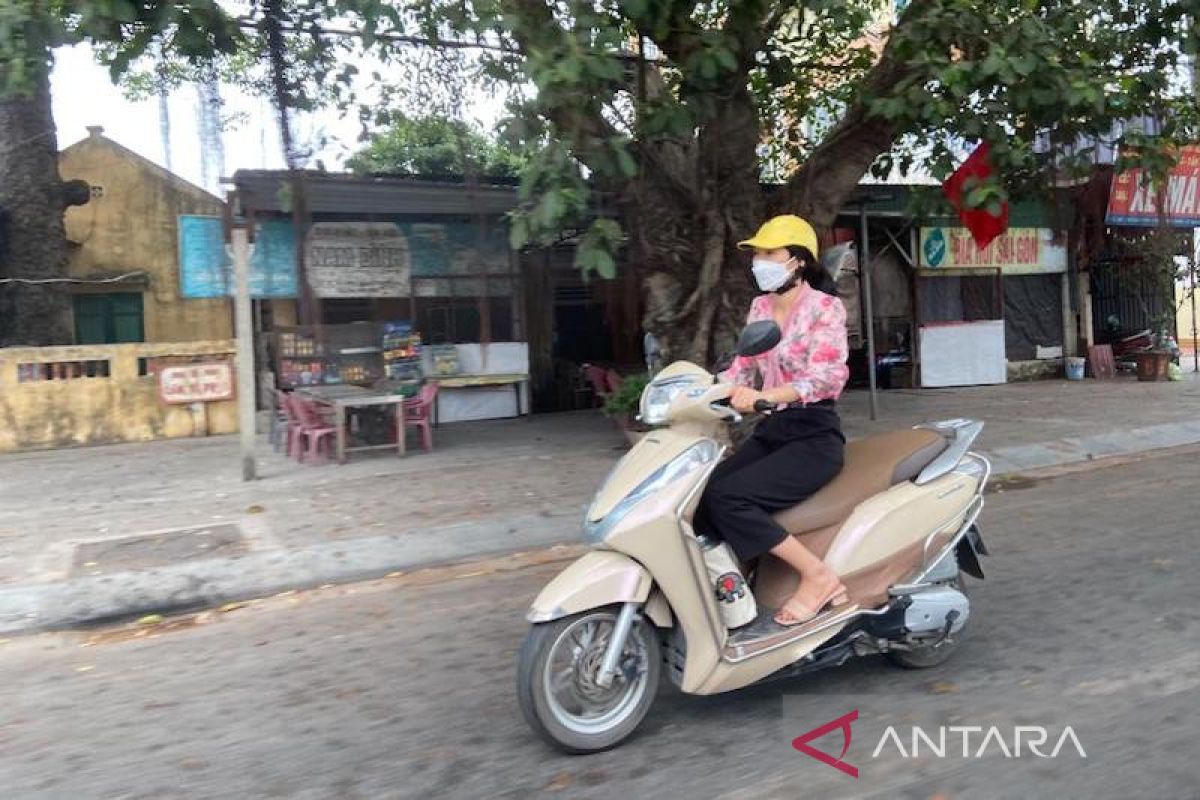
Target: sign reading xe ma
(1132,203)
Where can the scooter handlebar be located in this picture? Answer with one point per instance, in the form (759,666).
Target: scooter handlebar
(762,406)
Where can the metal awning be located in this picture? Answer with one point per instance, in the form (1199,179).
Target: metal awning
(360,196)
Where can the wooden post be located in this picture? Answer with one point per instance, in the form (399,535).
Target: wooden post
(243,320)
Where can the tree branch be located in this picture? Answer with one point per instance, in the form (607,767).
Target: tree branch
(746,26)
(847,152)
(583,122)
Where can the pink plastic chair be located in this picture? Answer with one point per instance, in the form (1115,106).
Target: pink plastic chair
(313,428)
(286,425)
(614,380)
(418,413)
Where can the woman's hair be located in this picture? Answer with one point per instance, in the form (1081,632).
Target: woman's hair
(811,270)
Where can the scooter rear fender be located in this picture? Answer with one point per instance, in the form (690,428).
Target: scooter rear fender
(599,578)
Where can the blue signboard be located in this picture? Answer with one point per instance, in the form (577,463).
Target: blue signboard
(206,270)
(453,248)
(204,266)
(273,263)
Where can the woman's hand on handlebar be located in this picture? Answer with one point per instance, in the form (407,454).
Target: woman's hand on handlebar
(744,398)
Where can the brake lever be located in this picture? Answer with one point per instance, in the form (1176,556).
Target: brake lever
(732,414)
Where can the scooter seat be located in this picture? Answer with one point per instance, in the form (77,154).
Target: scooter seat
(872,465)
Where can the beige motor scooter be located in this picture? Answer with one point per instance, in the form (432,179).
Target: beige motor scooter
(897,525)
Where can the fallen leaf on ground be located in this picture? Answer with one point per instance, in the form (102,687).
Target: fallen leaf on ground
(150,619)
(85,668)
(232,607)
(944,687)
(561,781)
(255,509)
(393,575)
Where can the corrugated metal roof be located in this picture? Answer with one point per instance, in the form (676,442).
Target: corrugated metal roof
(341,193)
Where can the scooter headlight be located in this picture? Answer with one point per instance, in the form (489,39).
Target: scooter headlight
(698,455)
(658,395)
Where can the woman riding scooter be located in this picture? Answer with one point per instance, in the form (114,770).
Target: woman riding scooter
(799,447)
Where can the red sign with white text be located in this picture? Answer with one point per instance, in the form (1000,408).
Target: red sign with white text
(1132,203)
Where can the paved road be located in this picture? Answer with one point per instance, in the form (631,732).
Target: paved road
(404,687)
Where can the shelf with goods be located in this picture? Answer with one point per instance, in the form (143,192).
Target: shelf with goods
(328,355)
(402,356)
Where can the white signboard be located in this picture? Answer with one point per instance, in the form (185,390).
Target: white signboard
(359,259)
(963,354)
(196,383)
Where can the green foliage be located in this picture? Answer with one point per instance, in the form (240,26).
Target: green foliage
(596,249)
(434,145)
(29,29)
(628,396)
(598,120)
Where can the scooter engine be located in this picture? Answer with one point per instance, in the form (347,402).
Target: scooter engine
(930,611)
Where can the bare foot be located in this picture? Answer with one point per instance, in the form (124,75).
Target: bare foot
(814,593)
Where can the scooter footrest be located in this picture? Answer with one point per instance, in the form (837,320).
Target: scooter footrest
(766,634)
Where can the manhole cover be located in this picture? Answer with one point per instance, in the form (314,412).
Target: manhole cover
(158,549)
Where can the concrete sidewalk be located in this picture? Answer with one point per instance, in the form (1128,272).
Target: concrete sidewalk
(102,533)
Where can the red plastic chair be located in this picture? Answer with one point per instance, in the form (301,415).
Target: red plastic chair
(598,378)
(286,425)
(313,428)
(614,380)
(418,413)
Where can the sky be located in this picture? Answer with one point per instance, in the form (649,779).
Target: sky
(84,95)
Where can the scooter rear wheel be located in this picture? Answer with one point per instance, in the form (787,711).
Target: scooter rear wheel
(556,685)
(928,656)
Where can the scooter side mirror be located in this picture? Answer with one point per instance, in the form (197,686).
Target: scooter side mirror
(758,337)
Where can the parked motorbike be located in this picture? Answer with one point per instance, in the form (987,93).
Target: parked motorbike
(898,525)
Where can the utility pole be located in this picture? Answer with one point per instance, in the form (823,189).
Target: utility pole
(864,269)
(243,319)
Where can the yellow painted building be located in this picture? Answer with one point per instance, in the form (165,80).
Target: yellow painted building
(127,233)
(129,318)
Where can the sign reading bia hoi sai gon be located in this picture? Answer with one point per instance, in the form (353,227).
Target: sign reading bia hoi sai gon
(1017,251)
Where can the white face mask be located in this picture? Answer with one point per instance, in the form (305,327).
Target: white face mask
(770,275)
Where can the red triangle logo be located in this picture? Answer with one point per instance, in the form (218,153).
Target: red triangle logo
(801,743)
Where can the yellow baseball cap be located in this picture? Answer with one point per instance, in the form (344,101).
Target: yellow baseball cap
(781,231)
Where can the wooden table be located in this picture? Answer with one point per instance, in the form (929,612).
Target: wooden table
(463,381)
(344,397)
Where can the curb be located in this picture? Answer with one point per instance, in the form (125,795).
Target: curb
(35,608)
(189,586)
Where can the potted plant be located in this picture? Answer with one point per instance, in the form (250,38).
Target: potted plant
(623,404)
(1153,265)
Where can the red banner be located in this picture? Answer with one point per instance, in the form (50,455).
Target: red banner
(1132,203)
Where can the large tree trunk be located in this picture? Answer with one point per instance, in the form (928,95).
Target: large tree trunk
(34,239)
(697,285)
(684,232)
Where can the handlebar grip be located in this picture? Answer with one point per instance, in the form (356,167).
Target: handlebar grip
(762,405)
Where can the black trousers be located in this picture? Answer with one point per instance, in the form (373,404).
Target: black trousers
(790,455)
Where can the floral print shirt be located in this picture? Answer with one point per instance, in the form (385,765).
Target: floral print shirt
(812,354)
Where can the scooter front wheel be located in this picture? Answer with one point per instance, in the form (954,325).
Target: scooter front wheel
(557,687)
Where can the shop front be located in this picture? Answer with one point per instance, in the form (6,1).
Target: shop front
(993,314)
(409,283)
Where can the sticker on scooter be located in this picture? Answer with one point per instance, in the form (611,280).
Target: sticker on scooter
(730,587)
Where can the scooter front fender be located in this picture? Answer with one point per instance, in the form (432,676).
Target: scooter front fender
(599,578)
